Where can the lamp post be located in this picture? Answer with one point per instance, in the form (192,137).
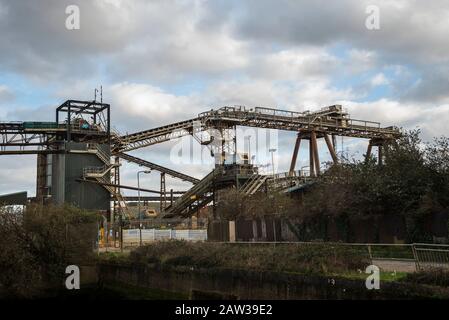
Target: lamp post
(302,171)
(272,158)
(138,203)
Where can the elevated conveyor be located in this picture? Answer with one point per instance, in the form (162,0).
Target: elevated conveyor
(330,120)
(199,195)
(157,167)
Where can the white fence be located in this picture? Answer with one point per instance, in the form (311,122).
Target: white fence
(149,235)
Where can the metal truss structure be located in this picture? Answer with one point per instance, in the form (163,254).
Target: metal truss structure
(327,123)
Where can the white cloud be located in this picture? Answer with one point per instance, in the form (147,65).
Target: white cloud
(361,60)
(379,80)
(138,107)
(5,93)
(294,64)
(18,173)
(430,118)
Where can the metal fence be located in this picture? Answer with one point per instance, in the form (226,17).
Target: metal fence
(430,256)
(131,237)
(424,255)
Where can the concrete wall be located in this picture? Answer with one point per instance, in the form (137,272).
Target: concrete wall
(247,284)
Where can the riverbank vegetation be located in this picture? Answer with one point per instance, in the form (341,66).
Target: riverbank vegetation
(38,243)
(412,184)
(301,258)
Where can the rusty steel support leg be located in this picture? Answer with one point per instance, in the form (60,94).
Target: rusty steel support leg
(41,180)
(368,151)
(117,208)
(379,150)
(295,155)
(316,157)
(311,160)
(331,148)
(163,196)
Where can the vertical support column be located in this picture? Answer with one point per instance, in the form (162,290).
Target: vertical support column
(223,144)
(227,145)
(234,144)
(380,155)
(316,157)
(214,200)
(295,154)
(163,195)
(368,151)
(117,209)
(331,148)
(311,160)
(41,177)
(69,123)
(108,108)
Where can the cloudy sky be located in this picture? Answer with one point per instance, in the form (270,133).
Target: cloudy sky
(162,61)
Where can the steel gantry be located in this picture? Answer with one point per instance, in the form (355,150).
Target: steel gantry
(326,123)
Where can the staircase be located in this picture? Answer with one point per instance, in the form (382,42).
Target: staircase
(99,174)
(253,184)
(198,196)
(95,149)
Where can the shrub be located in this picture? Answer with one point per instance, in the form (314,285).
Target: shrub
(37,244)
(436,277)
(300,258)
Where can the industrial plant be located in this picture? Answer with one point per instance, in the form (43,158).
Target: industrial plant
(79,158)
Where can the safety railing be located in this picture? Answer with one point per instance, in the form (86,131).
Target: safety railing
(430,256)
(280,113)
(332,116)
(296,173)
